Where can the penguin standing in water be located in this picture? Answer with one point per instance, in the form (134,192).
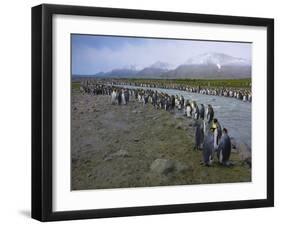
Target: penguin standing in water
(224,149)
(245,98)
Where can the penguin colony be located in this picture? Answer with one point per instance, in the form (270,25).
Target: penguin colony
(209,135)
(243,94)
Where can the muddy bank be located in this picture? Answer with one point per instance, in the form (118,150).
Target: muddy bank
(137,146)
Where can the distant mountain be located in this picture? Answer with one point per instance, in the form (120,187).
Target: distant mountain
(161,65)
(155,70)
(209,71)
(208,65)
(212,65)
(218,59)
(150,72)
(100,74)
(122,73)
(118,73)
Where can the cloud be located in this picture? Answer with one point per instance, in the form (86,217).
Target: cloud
(91,60)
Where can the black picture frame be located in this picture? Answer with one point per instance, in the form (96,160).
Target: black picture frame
(42,111)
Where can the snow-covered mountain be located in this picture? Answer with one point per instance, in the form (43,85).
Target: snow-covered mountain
(212,65)
(124,72)
(161,65)
(155,70)
(207,65)
(218,59)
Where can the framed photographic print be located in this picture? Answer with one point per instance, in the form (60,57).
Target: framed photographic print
(145,112)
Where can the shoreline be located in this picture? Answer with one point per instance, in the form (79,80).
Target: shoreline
(245,146)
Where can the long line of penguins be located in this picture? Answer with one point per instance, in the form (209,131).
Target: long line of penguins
(243,94)
(209,135)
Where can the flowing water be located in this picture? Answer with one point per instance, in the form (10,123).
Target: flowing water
(233,114)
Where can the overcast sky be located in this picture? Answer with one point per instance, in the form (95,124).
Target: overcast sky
(92,54)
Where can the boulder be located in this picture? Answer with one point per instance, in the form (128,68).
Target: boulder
(244,151)
(245,154)
(87,146)
(121,153)
(177,116)
(108,158)
(136,139)
(233,143)
(182,168)
(169,123)
(162,166)
(179,126)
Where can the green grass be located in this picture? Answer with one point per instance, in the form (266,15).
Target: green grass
(238,83)
(235,83)
(75,85)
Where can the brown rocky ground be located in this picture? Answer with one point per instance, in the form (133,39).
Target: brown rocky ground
(138,146)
